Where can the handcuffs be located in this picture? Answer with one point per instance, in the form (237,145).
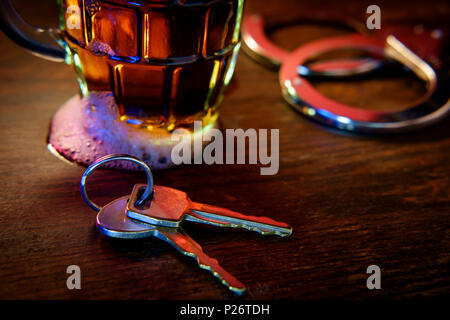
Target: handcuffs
(382,47)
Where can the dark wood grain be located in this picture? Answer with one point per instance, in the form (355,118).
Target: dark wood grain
(353,201)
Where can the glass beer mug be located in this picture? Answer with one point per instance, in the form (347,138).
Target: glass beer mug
(166,61)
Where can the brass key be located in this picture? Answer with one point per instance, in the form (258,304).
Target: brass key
(112,221)
(169,207)
(128,218)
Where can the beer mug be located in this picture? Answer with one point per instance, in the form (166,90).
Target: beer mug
(167,62)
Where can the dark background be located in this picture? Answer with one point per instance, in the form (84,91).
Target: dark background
(353,201)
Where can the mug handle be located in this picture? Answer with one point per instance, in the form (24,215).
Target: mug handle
(40,42)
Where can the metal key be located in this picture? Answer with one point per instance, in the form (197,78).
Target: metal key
(169,207)
(112,221)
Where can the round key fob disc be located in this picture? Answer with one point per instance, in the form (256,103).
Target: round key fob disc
(112,220)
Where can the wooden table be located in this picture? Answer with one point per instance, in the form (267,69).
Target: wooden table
(353,201)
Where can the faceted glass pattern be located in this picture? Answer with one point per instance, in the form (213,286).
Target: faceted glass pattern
(166,61)
(114,31)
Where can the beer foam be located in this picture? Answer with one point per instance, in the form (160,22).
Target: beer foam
(87,128)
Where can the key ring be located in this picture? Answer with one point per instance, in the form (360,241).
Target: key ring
(113,157)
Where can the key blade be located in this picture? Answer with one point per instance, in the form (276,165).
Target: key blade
(187,246)
(221,217)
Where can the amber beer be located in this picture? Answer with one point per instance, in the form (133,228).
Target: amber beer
(167,62)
